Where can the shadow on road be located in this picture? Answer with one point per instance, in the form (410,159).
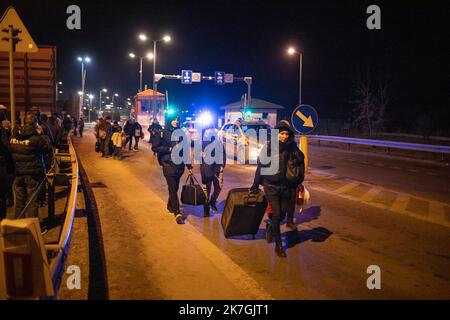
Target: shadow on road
(318,234)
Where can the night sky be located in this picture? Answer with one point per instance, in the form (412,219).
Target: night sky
(250,38)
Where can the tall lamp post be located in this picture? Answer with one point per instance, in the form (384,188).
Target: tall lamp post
(91,96)
(303,138)
(100,98)
(112,101)
(291,51)
(83,79)
(148,56)
(166,39)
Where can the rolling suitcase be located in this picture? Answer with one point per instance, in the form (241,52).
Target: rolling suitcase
(243,212)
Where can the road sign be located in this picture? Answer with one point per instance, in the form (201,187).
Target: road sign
(219,77)
(11,18)
(196,77)
(304,119)
(186,76)
(229,78)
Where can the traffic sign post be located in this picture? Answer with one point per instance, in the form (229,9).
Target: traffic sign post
(13,26)
(186,76)
(304,119)
(219,77)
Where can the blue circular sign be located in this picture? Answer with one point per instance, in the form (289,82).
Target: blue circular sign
(304,119)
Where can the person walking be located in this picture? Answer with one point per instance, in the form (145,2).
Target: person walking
(163,146)
(81,126)
(211,168)
(280,188)
(117,140)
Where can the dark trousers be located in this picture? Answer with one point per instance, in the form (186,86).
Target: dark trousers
(216,181)
(103,147)
(24,187)
(130,139)
(80,130)
(173,183)
(282,202)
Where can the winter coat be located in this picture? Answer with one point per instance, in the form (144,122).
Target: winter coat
(288,150)
(163,145)
(27,148)
(208,170)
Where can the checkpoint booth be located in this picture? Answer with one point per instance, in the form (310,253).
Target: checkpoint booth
(149,104)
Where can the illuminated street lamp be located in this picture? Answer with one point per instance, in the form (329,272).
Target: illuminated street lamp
(166,39)
(100,98)
(291,51)
(148,56)
(114,95)
(83,79)
(91,96)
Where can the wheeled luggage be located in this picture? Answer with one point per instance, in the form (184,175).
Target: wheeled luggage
(243,212)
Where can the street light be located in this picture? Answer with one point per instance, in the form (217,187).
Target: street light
(148,56)
(165,38)
(142,37)
(91,96)
(100,98)
(291,51)
(114,95)
(83,79)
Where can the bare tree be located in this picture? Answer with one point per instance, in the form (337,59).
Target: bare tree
(371,100)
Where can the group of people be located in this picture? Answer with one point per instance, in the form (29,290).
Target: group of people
(279,189)
(111,139)
(26,154)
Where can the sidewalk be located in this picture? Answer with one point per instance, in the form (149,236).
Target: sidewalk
(149,256)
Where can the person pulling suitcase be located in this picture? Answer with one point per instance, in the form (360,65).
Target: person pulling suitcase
(280,188)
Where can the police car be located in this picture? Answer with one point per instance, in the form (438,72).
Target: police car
(243,139)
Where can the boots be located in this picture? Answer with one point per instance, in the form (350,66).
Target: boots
(279,250)
(213,205)
(206,211)
(291,224)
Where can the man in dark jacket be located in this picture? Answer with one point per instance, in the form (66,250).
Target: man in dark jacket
(67,123)
(133,130)
(28,144)
(56,130)
(211,169)
(81,126)
(279,190)
(154,129)
(163,146)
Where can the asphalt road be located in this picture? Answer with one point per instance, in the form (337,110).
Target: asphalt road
(363,212)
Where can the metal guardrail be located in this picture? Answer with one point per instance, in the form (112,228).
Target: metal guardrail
(61,249)
(384,144)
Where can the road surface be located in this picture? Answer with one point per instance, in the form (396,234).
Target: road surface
(365,210)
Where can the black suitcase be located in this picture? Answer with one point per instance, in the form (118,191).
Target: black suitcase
(243,212)
(193,194)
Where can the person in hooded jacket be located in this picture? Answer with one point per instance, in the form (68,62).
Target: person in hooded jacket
(212,171)
(279,190)
(163,146)
(28,145)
